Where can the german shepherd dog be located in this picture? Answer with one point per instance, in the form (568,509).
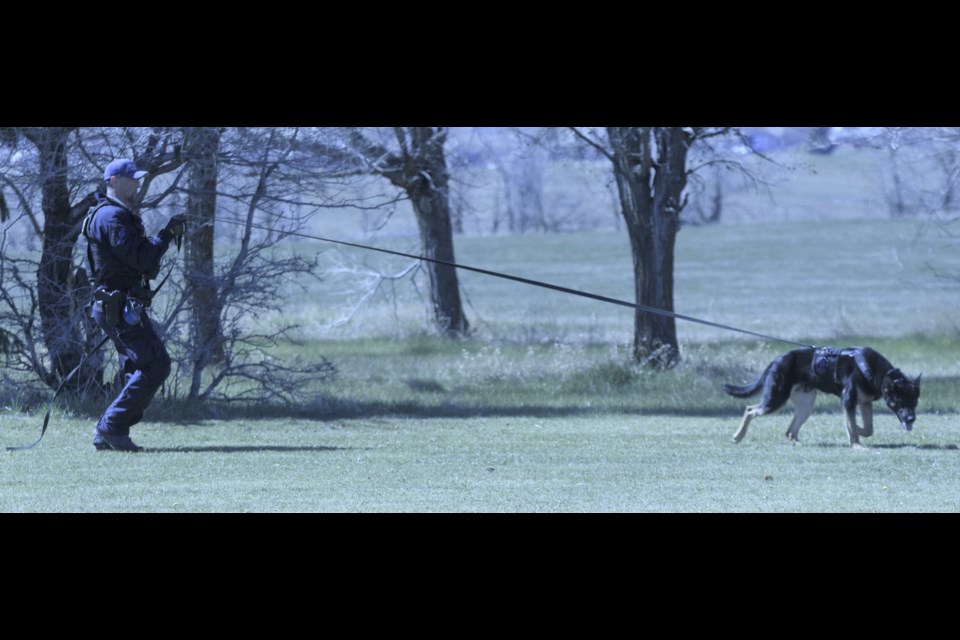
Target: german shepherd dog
(858,375)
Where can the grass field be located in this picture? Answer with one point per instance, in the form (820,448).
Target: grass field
(542,410)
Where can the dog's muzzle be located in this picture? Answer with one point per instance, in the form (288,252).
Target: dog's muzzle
(906,418)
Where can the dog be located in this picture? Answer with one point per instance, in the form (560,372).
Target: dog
(858,375)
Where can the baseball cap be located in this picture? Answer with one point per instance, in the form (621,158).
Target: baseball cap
(123,167)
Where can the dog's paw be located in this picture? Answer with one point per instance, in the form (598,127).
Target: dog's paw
(857,445)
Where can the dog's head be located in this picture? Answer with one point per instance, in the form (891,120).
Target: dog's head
(901,395)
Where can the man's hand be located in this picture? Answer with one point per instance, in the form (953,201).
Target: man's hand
(177,225)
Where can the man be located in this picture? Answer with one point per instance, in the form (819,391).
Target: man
(124,260)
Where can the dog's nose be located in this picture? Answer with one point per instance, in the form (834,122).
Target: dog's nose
(907,418)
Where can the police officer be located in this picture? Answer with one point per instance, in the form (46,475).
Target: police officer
(124,261)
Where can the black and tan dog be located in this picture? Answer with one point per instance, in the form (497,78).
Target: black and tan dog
(858,375)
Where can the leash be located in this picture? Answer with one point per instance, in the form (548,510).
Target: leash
(69,376)
(46,417)
(536,283)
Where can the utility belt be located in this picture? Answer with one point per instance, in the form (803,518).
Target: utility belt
(119,308)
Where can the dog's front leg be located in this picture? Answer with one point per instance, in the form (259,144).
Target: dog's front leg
(850,416)
(866,413)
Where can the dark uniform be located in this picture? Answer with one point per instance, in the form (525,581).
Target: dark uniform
(124,261)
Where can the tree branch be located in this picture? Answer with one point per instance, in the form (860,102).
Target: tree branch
(379,279)
(592,143)
(24,206)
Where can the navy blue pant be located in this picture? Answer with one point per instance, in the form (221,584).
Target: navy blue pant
(144,363)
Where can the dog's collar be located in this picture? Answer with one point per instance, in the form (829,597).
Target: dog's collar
(864,366)
(888,374)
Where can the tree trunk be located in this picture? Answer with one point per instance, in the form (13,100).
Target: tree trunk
(201,145)
(425,179)
(436,236)
(650,201)
(58,301)
(420,169)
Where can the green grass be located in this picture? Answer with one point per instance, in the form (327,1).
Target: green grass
(542,410)
(596,461)
(434,426)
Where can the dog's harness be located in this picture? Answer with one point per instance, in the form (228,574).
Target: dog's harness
(827,358)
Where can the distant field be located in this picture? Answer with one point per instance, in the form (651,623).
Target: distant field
(542,409)
(792,185)
(802,281)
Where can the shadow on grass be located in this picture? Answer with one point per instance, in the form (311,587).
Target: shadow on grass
(426,401)
(411,409)
(242,449)
(892,445)
(904,445)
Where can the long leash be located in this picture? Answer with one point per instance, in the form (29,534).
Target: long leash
(69,376)
(63,383)
(536,283)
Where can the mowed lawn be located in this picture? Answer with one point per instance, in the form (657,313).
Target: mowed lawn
(542,410)
(586,462)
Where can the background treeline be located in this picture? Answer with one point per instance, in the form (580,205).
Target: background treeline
(247,190)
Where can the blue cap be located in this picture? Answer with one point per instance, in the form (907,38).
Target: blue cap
(123,167)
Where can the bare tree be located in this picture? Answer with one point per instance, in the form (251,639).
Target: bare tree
(419,168)
(201,145)
(522,179)
(50,169)
(921,169)
(706,205)
(650,168)
(245,180)
(57,300)
(18,315)
(220,293)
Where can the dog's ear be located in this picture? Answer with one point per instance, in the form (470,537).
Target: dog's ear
(917,381)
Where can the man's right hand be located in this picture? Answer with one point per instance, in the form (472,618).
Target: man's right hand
(177,225)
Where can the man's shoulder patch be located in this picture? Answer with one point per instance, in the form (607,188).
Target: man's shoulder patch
(119,235)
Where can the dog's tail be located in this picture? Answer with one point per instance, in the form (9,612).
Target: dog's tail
(748,390)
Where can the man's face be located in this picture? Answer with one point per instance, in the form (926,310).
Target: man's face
(125,188)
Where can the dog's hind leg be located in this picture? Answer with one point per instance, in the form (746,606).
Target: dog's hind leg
(803,407)
(752,412)
(775,395)
(866,413)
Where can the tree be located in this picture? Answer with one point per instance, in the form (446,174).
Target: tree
(921,170)
(49,167)
(246,180)
(650,169)
(62,162)
(57,298)
(201,145)
(924,169)
(419,168)
(522,175)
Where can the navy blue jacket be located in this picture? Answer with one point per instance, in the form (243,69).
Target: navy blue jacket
(124,258)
